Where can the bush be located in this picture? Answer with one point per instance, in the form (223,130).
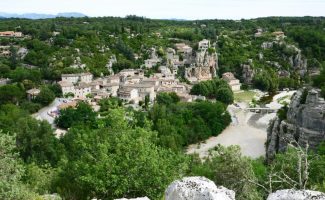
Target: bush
(225,95)
(216,88)
(167,98)
(83,114)
(30,106)
(45,97)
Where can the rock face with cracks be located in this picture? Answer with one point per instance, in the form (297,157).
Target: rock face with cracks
(304,124)
(197,188)
(141,198)
(296,195)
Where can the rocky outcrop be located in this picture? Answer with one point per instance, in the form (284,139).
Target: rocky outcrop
(267,45)
(197,188)
(304,124)
(297,61)
(51,197)
(248,73)
(205,67)
(140,198)
(296,195)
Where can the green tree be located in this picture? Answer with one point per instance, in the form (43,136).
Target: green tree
(56,89)
(82,114)
(146,102)
(35,139)
(225,95)
(215,88)
(266,81)
(167,98)
(128,163)
(12,171)
(13,57)
(227,167)
(45,97)
(10,94)
(4,70)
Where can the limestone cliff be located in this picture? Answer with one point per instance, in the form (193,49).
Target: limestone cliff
(304,123)
(248,73)
(204,68)
(297,61)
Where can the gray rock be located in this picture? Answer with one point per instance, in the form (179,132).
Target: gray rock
(296,195)
(140,198)
(305,123)
(51,197)
(197,188)
(248,73)
(204,68)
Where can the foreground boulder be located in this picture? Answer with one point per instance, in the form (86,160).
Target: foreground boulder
(141,198)
(197,188)
(296,195)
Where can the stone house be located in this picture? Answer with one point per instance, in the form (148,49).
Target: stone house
(168,82)
(132,79)
(204,45)
(5,51)
(149,63)
(131,72)
(128,94)
(232,81)
(146,90)
(67,87)
(75,78)
(82,90)
(11,34)
(113,79)
(32,93)
(111,89)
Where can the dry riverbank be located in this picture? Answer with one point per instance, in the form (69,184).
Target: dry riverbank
(251,139)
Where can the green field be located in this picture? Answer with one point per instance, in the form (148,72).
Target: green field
(245,96)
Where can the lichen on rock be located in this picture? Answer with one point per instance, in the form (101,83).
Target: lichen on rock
(197,188)
(296,195)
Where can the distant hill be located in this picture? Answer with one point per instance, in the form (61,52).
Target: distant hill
(71,14)
(40,16)
(176,19)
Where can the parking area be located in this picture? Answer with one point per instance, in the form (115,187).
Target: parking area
(43,114)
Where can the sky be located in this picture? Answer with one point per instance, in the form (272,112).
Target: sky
(168,9)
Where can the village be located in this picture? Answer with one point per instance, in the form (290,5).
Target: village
(134,88)
(177,70)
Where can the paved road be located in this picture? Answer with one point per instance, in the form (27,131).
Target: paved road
(42,113)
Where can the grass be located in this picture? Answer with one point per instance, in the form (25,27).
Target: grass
(245,96)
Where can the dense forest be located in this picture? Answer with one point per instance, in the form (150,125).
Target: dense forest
(122,152)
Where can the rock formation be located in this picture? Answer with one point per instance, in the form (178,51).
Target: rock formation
(298,63)
(110,63)
(248,73)
(204,68)
(304,123)
(296,195)
(140,198)
(197,188)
